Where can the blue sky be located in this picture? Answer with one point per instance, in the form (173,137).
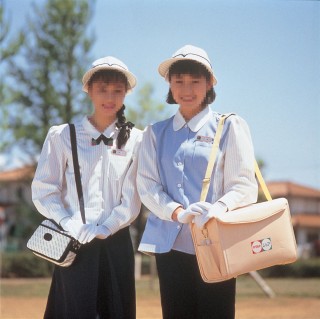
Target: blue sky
(265,54)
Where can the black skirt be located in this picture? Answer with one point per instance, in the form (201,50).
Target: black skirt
(185,295)
(99,284)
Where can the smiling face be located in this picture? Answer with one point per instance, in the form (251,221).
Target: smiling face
(190,87)
(189,91)
(107,91)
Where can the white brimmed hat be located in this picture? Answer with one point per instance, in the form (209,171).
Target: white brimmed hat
(188,52)
(109,63)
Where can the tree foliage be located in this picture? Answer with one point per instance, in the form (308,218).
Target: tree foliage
(8,49)
(45,85)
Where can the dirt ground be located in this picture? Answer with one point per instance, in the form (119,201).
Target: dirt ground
(149,308)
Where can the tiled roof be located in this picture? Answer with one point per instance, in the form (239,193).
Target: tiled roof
(302,220)
(286,189)
(18,174)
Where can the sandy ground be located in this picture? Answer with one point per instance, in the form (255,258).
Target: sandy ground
(149,308)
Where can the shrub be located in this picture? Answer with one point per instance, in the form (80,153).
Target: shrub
(303,268)
(24,264)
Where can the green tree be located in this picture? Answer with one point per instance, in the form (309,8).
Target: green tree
(42,84)
(9,48)
(46,86)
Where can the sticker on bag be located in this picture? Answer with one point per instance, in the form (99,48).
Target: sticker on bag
(259,246)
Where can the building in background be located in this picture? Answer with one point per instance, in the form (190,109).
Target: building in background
(15,195)
(304,203)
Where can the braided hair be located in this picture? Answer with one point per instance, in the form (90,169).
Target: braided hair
(124,128)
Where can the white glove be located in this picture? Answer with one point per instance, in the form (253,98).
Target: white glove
(84,233)
(88,232)
(102,232)
(210,210)
(186,216)
(92,231)
(74,227)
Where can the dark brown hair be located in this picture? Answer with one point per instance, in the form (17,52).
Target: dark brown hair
(108,76)
(193,68)
(122,124)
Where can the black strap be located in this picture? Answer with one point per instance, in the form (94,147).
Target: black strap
(73,139)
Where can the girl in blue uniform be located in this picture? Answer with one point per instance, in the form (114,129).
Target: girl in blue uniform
(172,163)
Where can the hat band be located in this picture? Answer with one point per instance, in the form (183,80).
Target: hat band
(112,64)
(184,55)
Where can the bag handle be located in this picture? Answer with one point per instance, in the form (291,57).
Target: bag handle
(212,159)
(73,139)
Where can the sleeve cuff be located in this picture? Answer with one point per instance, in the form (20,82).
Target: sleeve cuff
(112,225)
(169,209)
(58,217)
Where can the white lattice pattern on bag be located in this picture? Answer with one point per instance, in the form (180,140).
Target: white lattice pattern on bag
(49,242)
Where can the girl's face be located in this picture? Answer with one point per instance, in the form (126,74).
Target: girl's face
(189,91)
(107,97)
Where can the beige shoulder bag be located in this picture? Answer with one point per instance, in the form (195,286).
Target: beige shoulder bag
(246,239)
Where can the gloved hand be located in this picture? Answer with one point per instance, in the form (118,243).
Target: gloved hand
(92,231)
(102,232)
(210,210)
(84,233)
(187,215)
(74,227)
(88,232)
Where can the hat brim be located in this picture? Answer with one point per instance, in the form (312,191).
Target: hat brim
(165,66)
(129,76)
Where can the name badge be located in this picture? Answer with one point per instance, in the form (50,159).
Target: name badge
(206,139)
(119,152)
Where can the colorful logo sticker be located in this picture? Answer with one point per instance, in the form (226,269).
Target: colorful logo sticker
(259,246)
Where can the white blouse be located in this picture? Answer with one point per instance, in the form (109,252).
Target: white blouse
(108,177)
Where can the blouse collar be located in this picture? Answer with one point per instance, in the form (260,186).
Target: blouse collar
(93,132)
(195,124)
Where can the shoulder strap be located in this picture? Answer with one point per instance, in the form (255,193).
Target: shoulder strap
(73,139)
(212,159)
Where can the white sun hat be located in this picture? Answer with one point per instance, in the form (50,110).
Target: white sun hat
(188,52)
(109,63)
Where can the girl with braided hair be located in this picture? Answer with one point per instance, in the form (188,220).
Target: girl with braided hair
(100,282)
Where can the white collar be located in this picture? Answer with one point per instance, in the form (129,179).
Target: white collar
(89,128)
(195,123)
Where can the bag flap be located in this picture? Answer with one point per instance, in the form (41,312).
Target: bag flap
(254,212)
